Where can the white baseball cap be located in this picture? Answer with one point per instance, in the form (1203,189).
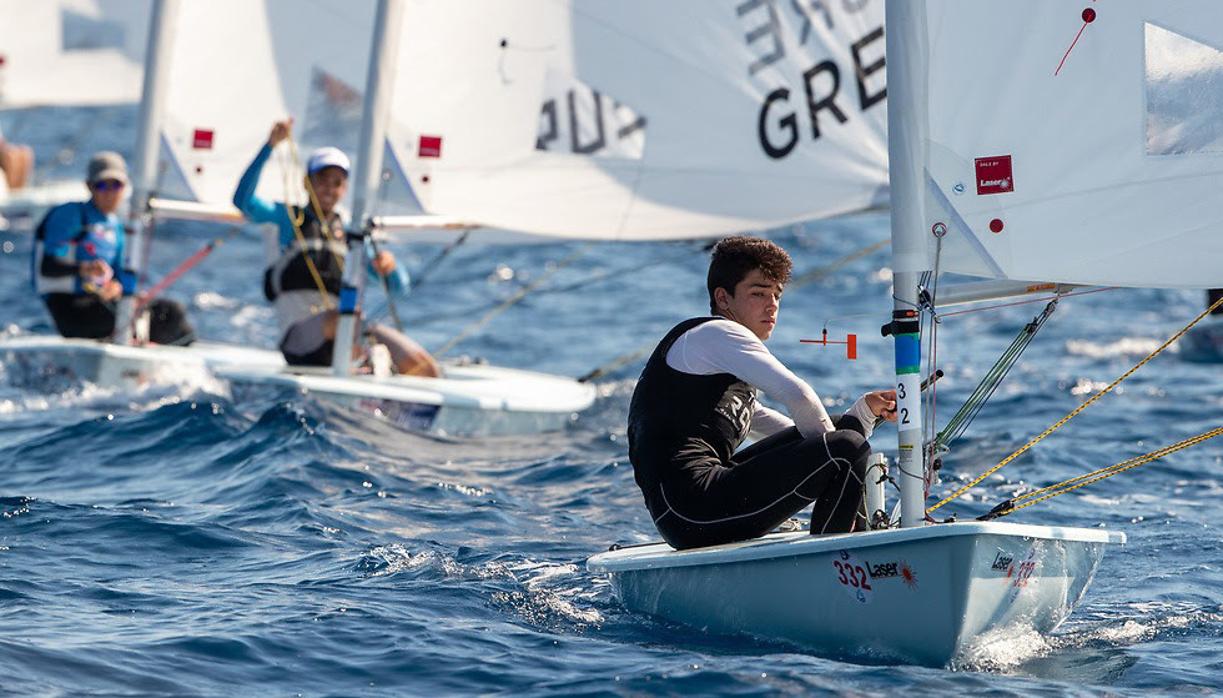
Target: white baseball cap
(327,157)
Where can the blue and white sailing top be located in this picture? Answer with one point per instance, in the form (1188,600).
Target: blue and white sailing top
(73,233)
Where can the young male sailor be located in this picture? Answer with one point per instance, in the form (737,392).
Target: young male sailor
(78,254)
(307,324)
(696,403)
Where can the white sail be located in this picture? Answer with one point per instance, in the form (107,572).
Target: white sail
(71,52)
(636,119)
(239,65)
(1076,143)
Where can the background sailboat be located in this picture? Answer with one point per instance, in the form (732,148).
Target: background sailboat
(473,139)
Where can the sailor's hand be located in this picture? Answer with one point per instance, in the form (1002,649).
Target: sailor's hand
(280,131)
(95,268)
(384,263)
(110,291)
(882,404)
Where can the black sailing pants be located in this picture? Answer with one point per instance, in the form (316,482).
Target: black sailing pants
(765,484)
(89,317)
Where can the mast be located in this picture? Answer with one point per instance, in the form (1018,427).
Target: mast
(144,165)
(907,55)
(383,59)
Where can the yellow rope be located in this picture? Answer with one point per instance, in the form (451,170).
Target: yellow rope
(299,217)
(1074,483)
(960,492)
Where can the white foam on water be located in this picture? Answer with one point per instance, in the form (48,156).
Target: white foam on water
(1155,619)
(211,300)
(467,490)
(1002,649)
(546,594)
(551,592)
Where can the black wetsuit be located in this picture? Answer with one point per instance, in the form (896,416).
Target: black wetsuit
(1213,295)
(88,316)
(683,430)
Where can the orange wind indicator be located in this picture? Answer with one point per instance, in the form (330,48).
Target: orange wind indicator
(850,342)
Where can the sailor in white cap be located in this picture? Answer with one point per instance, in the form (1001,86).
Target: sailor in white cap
(310,252)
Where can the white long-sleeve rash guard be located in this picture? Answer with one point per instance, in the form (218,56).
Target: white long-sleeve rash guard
(725,346)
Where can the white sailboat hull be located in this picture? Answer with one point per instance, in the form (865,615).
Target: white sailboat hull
(34,359)
(917,595)
(23,208)
(469,400)
(473,400)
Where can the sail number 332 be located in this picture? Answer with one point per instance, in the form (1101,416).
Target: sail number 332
(908,396)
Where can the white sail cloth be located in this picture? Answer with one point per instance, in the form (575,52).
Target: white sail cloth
(1074,142)
(71,52)
(638,119)
(239,65)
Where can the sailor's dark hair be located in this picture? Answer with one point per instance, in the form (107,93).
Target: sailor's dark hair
(735,257)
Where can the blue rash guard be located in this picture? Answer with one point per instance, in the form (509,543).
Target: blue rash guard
(73,233)
(259,210)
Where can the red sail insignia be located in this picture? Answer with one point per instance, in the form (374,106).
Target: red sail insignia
(429,147)
(202,139)
(994,175)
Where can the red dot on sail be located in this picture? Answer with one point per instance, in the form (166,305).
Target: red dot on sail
(1089,15)
(995,225)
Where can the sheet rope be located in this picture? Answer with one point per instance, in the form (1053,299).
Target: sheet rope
(1075,412)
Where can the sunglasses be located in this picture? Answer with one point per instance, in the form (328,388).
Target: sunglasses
(107,185)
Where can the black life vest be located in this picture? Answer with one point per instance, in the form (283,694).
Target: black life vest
(290,272)
(674,415)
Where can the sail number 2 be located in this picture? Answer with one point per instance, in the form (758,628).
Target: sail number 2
(908,391)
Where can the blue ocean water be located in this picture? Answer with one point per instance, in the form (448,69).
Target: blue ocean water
(169,541)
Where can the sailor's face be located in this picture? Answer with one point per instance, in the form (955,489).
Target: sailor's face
(754,304)
(107,195)
(330,185)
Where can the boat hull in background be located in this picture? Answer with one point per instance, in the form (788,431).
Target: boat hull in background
(471,400)
(923,595)
(39,361)
(22,210)
(1204,343)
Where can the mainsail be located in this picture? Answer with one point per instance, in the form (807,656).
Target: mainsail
(71,52)
(1075,143)
(239,65)
(635,119)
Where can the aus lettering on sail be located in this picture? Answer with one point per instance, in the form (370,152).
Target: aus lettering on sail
(577,118)
(825,41)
